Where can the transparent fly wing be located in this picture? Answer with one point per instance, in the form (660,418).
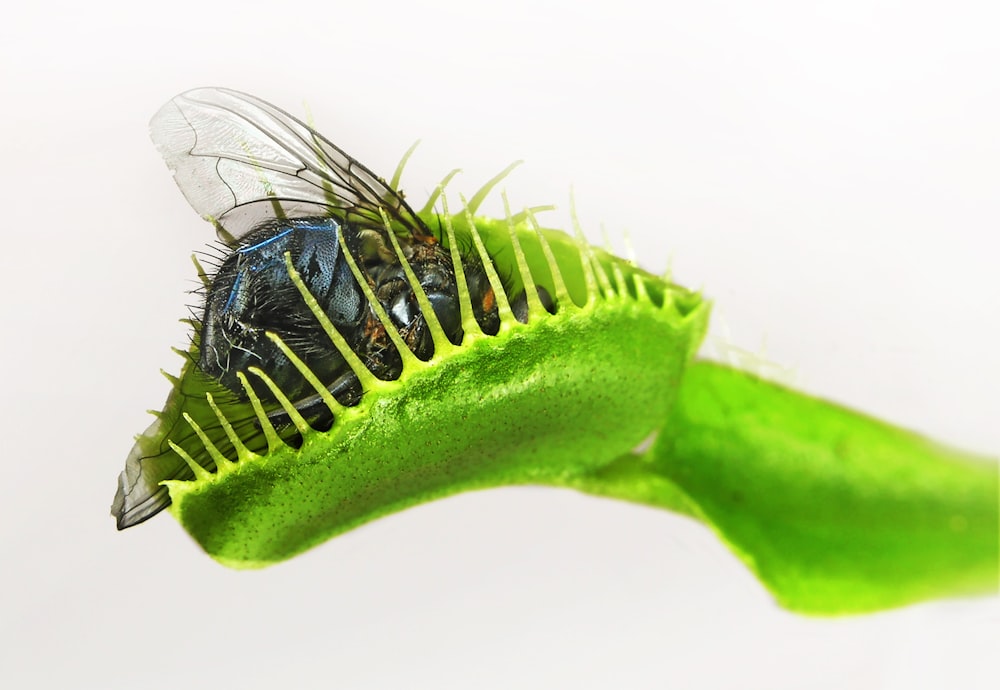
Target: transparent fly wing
(241,161)
(140,495)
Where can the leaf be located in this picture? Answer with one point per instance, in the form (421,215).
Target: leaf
(834,511)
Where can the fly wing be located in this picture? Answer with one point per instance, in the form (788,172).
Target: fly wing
(140,495)
(241,162)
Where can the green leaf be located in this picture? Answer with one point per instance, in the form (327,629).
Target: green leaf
(537,403)
(834,511)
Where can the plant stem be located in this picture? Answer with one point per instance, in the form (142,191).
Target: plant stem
(834,511)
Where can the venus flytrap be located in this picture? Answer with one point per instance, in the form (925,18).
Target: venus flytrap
(543,361)
(496,410)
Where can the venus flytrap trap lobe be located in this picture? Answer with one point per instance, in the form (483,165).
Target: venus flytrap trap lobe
(338,470)
(447,353)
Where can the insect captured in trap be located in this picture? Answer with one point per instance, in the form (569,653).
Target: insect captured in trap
(272,185)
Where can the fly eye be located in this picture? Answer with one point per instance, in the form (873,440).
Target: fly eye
(401,310)
(446,308)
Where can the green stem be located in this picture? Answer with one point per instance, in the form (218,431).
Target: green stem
(834,511)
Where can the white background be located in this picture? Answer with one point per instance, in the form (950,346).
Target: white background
(827,172)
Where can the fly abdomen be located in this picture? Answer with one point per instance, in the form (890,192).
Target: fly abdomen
(252,294)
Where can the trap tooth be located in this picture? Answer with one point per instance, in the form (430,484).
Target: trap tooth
(641,294)
(274,441)
(324,392)
(598,283)
(398,174)
(300,423)
(503,304)
(630,257)
(527,281)
(522,216)
(621,285)
(473,204)
(220,460)
(589,279)
(200,473)
(469,323)
(441,342)
(409,359)
(242,452)
(367,379)
(438,192)
(562,296)
(603,281)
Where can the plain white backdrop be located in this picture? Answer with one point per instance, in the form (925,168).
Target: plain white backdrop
(827,172)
